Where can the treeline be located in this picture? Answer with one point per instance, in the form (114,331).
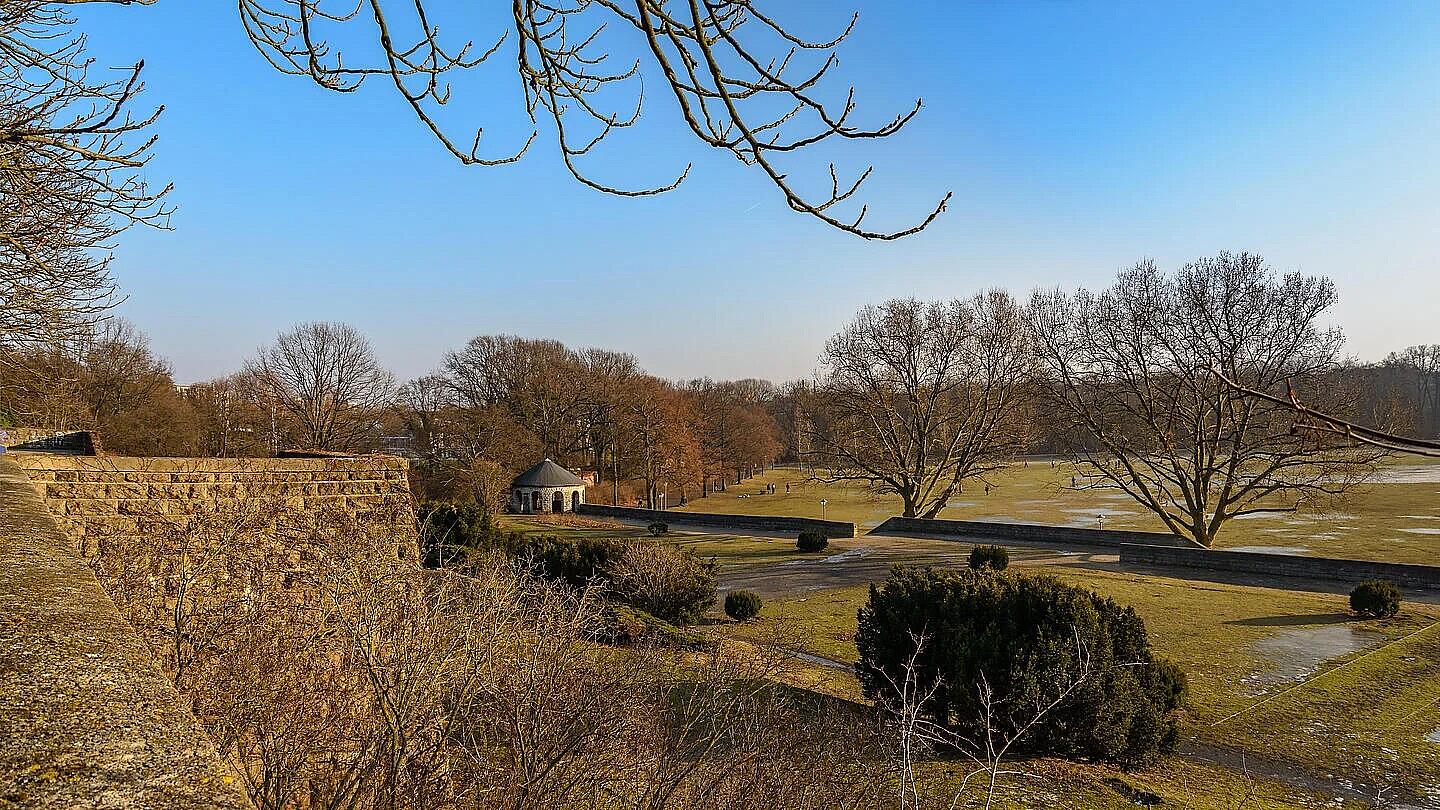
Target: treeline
(495,406)
(914,399)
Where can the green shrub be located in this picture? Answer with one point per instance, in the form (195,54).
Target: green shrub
(742,605)
(1377,597)
(995,558)
(1018,634)
(664,581)
(658,528)
(574,561)
(811,540)
(449,531)
(622,624)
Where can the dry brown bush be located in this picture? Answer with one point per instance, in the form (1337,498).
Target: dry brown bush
(341,676)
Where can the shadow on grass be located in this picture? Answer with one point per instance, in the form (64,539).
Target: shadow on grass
(1294,620)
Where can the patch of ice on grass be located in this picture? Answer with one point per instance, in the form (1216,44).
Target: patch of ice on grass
(843,557)
(1424,530)
(1294,551)
(847,556)
(1298,653)
(1418,474)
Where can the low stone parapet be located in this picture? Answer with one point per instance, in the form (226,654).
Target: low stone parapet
(1333,569)
(87,719)
(108,497)
(1027,533)
(763,523)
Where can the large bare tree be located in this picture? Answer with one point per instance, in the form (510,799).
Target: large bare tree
(71,155)
(539,384)
(920,396)
(1135,370)
(325,377)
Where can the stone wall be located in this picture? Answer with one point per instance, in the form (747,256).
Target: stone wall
(1283,565)
(764,523)
(87,719)
(547,499)
(97,500)
(1027,533)
(52,440)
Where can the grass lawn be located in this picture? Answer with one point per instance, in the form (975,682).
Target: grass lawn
(1266,677)
(726,549)
(1362,716)
(1396,518)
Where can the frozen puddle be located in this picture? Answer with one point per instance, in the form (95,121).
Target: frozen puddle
(843,557)
(1418,474)
(1294,551)
(1297,654)
(847,556)
(821,661)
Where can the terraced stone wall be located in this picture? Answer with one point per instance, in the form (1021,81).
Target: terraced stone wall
(98,500)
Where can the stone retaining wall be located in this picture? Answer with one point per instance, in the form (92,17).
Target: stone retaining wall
(87,719)
(1027,532)
(1283,565)
(764,523)
(104,497)
(52,440)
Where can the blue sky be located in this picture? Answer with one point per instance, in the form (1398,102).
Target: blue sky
(1077,137)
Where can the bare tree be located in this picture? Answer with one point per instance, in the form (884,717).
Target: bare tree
(71,154)
(610,376)
(1423,364)
(737,434)
(326,378)
(227,421)
(539,384)
(1133,369)
(743,82)
(920,396)
(659,438)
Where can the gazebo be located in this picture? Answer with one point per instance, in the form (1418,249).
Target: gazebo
(546,487)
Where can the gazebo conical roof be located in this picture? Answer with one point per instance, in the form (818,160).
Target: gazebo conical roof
(547,474)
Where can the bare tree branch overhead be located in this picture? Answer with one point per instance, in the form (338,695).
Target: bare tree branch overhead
(743,82)
(1313,419)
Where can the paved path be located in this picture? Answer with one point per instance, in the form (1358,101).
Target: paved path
(868,558)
